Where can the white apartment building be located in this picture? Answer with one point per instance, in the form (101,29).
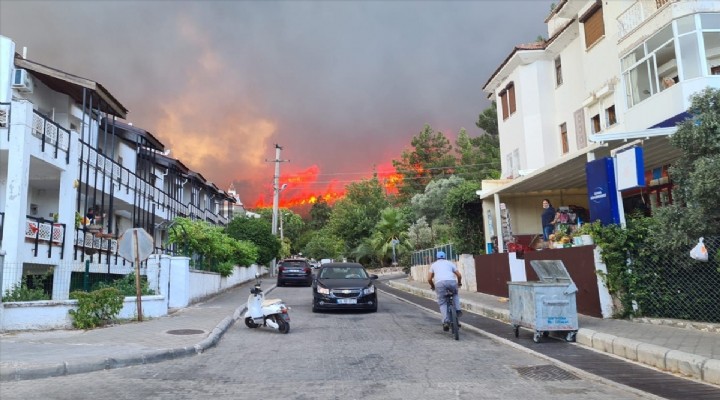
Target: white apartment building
(73,177)
(611,73)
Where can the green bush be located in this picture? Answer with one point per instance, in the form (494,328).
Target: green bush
(96,308)
(126,285)
(21,292)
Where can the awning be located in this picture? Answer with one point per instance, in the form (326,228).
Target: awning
(568,172)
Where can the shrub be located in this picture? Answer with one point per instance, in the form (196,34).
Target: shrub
(21,292)
(126,285)
(96,308)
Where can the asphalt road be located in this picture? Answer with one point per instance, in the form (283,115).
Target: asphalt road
(400,352)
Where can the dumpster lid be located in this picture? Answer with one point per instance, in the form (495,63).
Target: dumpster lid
(550,270)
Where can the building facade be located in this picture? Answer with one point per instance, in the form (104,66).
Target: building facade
(74,177)
(610,74)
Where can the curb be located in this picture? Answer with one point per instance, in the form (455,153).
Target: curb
(8,374)
(700,368)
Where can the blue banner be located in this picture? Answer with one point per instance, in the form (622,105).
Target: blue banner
(602,191)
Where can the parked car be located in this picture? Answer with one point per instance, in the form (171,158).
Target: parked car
(340,286)
(295,271)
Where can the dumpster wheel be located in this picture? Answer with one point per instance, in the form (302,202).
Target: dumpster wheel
(571,336)
(537,336)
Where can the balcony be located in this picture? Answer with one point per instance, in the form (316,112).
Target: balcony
(40,232)
(637,14)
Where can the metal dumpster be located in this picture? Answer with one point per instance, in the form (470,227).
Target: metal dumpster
(545,306)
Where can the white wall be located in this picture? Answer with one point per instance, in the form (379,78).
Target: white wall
(204,284)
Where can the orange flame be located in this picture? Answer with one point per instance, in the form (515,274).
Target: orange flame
(304,188)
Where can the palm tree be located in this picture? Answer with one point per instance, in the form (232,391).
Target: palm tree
(379,245)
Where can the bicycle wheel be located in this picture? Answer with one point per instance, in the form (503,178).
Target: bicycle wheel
(454,320)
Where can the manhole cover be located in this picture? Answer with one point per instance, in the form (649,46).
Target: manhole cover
(185,332)
(545,373)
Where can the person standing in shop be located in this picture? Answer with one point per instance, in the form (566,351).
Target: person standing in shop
(547,219)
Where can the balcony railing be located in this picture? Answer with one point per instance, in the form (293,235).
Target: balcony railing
(51,134)
(5,117)
(2,226)
(637,13)
(44,232)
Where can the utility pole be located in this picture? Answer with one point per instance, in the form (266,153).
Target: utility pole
(276,197)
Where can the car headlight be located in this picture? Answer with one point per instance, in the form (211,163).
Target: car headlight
(323,290)
(369,290)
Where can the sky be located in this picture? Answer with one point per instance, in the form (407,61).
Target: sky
(341,86)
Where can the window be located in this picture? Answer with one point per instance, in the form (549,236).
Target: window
(507,100)
(594,24)
(595,123)
(564,138)
(610,117)
(558,72)
(504,104)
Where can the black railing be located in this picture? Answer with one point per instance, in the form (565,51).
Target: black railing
(49,132)
(2,226)
(45,232)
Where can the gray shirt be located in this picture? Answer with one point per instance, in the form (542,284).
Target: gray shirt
(444,270)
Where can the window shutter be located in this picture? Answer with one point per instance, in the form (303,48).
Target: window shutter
(511,98)
(594,25)
(504,103)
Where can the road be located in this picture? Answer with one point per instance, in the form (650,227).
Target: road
(400,352)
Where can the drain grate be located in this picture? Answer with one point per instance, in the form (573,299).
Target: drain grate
(545,373)
(185,332)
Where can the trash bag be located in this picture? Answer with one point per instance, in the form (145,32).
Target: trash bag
(699,252)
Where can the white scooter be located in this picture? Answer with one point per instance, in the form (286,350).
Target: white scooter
(261,312)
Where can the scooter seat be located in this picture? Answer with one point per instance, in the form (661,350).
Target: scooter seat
(269,302)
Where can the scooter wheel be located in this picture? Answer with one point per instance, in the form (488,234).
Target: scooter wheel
(283,326)
(250,324)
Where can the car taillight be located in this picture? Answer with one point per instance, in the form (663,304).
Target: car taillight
(307,270)
(281,269)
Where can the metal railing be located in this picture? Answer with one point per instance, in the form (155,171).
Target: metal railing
(428,256)
(50,133)
(44,232)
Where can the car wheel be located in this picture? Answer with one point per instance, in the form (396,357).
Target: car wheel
(280,284)
(315,309)
(374,309)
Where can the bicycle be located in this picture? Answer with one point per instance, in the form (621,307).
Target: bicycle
(452,313)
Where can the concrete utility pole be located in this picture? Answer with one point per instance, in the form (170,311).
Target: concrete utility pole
(276,196)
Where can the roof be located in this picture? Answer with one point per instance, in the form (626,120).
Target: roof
(133,134)
(568,172)
(73,86)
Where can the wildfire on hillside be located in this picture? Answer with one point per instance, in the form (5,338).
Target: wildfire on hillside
(306,187)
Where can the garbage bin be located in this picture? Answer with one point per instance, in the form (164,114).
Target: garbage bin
(545,306)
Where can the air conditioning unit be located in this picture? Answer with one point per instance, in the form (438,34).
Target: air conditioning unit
(22,81)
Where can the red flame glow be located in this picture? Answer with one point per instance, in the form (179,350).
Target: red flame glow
(307,187)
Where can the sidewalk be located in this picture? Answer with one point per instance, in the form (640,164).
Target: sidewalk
(684,351)
(189,331)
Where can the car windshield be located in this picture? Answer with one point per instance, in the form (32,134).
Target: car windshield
(343,273)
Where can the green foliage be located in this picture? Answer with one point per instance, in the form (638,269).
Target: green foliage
(487,120)
(429,157)
(22,292)
(378,248)
(126,286)
(319,214)
(258,232)
(478,157)
(464,210)
(323,244)
(694,211)
(431,203)
(354,217)
(96,308)
(211,244)
(420,234)
(619,248)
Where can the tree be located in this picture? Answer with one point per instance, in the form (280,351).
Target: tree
(319,214)
(428,158)
(353,217)
(259,232)
(379,245)
(324,244)
(488,121)
(478,157)
(694,211)
(464,210)
(420,234)
(431,203)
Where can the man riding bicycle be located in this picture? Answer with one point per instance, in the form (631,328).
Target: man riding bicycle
(442,278)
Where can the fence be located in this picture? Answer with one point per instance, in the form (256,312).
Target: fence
(428,256)
(32,282)
(679,287)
